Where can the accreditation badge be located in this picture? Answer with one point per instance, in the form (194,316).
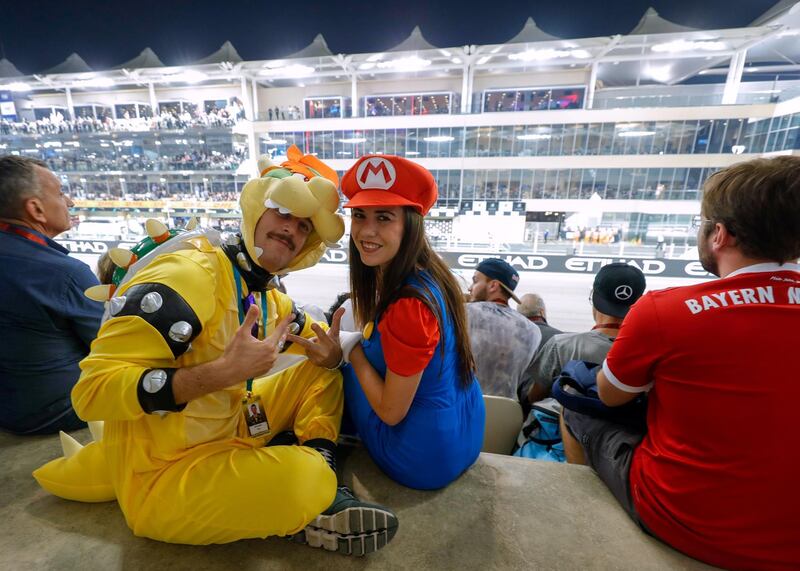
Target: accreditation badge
(255,416)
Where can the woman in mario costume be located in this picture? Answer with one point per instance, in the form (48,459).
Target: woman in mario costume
(410,388)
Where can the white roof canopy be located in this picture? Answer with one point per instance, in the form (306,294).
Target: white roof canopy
(414,42)
(73,64)
(652,23)
(147,58)
(317,48)
(530,32)
(225,53)
(8,69)
(659,52)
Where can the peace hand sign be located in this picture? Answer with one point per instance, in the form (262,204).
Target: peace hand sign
(250,357)
(324,350)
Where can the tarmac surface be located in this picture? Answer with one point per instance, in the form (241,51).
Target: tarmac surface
(566,295)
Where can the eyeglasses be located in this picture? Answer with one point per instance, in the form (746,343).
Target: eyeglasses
(698,221)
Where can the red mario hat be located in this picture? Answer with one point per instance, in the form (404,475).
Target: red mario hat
(387,180)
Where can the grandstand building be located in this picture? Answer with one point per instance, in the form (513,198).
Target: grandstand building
(538,132)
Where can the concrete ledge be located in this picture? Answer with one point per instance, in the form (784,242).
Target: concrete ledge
(504,513)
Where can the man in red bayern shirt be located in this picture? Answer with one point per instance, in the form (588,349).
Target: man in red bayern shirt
(712,475)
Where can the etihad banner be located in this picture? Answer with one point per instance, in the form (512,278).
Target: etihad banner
(561,264)
(469,260)
(157,204)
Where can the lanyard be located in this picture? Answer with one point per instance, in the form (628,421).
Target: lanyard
(240,299)
(27,234)
(606,326)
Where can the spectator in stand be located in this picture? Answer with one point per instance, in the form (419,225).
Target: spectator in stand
(503,341)
(616,288)
(56,123)
(532,306)
(713,473)
(195,160)
(46,322)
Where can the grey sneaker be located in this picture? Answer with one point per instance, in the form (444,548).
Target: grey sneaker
(350,526)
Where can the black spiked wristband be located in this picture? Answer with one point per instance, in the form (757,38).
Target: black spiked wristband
(154,392)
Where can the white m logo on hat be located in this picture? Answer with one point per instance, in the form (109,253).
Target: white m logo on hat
(376,173)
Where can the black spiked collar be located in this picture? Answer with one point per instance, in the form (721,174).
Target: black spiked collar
(254,275)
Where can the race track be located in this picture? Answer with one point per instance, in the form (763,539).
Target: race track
(566,295)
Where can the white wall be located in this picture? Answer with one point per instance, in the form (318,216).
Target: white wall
(426,85)
(269,97)
(530,118)
(283,97)
(544,78)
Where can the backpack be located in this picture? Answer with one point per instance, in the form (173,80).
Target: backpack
(540,437)
(576,389)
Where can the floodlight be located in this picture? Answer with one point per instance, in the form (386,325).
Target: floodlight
(412,63)
(16,86)
(636,133)
(680,46)
(289,71)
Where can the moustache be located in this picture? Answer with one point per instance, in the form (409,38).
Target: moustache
(286,239)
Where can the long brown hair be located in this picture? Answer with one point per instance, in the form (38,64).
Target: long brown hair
(373,292)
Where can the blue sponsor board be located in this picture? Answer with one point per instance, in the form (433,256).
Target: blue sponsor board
(8,110)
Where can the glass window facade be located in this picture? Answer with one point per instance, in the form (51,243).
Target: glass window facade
(504,100)
(642,138)
(177,107)
(409,104)
(92,111)
(215,153)
(608,184)
(326,107)
(454,186)
(133,110)
(210,105)
(153,186)
(48,112)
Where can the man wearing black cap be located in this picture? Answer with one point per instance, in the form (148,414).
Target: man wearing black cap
(616,288)
(503,341)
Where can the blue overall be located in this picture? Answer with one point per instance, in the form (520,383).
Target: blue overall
(442,434)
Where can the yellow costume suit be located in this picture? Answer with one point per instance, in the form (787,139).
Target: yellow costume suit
(195,476)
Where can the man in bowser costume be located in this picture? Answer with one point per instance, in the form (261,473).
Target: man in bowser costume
(171,374)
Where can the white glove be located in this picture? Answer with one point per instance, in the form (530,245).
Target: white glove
(348,340)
